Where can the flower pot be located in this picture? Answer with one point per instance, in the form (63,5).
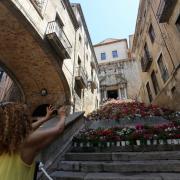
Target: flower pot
(118,143)
(127,143)
(108,144)
(88,144)
(148,142)
(138,142)
(112,143)
(75,144)
(175,141)
(123,143)
(178,141)
(169,141)
(161,142)
(154,142)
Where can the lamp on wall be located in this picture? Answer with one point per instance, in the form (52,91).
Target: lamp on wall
(44,92)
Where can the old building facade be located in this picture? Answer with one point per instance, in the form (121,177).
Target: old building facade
(156,46)
(118,71)
(50,57)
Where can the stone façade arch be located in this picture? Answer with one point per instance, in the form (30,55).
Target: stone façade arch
(30,59)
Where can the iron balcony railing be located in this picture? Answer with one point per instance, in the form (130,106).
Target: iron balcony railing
(93,65)
(81,76)
(165,75)
(92,83)
(55,29)
(39,5)
(165,10)
(146,62)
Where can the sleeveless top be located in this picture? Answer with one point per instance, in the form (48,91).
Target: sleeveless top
(12,167)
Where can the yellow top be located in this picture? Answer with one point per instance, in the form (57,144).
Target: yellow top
(13,168)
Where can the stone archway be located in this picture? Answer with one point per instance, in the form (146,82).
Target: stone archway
(31,60)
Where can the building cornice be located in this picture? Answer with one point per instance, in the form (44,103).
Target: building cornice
(111,42)
(115,61)
(71,14)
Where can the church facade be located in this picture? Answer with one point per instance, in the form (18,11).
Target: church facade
(118,70)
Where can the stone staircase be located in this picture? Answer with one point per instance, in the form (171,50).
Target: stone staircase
(157,165)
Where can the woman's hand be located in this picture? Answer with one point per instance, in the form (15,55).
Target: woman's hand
(62,111)
(49,111)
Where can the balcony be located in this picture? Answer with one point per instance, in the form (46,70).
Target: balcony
(92,83)
(39,5)
(165,10)
(93,65)
(80,77)
(146,62)
(58,40)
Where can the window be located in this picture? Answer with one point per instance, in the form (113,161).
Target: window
(59,21)
(149,92)
(39,5)
(163,69)
(86,42)
(151,33)
(77,89)
(80,39)
(63,4)
(146,51)
(155,82)
(79,61)
(178,23)
(114,54)
(103,56)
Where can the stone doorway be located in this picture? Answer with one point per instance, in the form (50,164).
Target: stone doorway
(112,94)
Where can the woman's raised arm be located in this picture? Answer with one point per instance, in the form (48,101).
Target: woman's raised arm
(39,139)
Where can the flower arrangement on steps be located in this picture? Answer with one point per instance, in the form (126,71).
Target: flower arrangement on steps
(117,109)
(141,135)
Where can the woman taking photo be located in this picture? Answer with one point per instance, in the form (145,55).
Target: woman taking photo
(21,140)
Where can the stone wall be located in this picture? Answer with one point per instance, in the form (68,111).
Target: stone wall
(39,59)
(165,45)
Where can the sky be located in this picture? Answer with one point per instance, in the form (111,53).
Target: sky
(109,18)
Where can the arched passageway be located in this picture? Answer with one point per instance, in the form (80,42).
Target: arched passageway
(31,60)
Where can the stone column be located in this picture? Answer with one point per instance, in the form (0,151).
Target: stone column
(105,94)
(119,93)
(125,92)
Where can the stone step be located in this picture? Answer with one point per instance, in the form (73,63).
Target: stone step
(123,156)
(65,175)
(130,148)
(121,166)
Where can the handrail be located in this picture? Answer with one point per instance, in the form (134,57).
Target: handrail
(80,72)
(145,61)
(54,27)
